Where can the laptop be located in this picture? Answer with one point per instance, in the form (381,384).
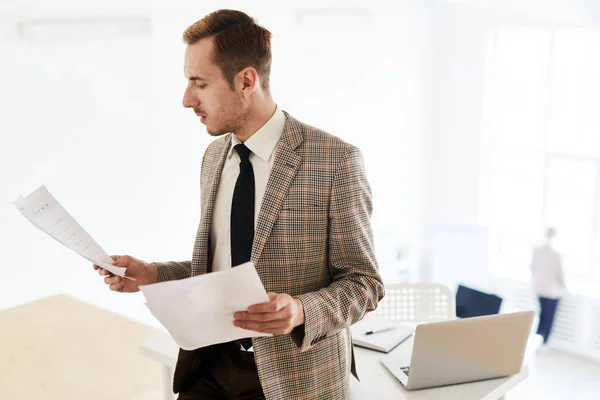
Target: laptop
(464,350)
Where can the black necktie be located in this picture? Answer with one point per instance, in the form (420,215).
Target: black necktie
(242,210)
(242,216)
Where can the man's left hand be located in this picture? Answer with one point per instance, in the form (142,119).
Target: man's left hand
(279,316)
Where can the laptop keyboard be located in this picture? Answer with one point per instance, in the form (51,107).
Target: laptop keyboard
(406,370)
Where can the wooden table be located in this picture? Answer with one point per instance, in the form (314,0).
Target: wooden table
(63,348)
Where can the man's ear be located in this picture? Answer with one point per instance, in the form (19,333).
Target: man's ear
(248,81)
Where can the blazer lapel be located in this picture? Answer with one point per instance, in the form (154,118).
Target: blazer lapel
(284,170)
(208,199)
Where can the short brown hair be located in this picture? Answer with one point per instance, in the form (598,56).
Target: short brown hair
(238,43)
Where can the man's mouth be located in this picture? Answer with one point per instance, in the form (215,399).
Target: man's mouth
(201,115)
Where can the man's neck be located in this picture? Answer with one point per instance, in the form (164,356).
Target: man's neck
(257,118)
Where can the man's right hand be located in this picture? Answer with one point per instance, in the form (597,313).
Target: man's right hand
(144,274)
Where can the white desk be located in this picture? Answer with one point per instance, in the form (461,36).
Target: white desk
(376,380)
(374,376)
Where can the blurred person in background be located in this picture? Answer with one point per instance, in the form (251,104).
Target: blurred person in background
(548,282)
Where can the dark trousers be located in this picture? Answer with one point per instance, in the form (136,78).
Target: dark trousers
(225,373)
(547,313)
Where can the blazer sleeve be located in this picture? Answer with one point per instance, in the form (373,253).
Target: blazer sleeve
(172,270)
(356,284)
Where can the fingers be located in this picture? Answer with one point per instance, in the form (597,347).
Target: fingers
(102,271)
(113,279)
(263,317)
(115,283)
(275,317)
(117,287)
(122,261)
(275,327)
(276,303)
(97,267)
(119,261)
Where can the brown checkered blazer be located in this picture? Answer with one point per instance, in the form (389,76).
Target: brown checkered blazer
(313,241)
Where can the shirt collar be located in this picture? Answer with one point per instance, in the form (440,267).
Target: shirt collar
(263,141)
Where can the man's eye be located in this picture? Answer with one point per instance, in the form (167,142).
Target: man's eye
(201,86)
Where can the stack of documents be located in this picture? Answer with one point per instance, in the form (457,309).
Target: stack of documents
(46,214)
(198,311)
(379,334)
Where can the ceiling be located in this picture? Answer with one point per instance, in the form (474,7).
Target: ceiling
(78,8)
(567,11)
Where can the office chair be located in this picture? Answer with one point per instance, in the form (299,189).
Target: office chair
(473,303)
(417,302)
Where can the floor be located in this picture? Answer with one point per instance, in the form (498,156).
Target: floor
(555,375)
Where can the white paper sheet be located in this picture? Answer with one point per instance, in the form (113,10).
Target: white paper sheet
(45,213)
(198,311)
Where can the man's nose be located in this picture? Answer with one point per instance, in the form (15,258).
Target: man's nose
(189,100)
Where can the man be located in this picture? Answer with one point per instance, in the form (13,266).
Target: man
(292,199)
(548,283)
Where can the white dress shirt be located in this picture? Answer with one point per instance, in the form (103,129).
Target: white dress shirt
(262,144)
(546,266)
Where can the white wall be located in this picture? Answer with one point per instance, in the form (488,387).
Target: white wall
(101,124)
(452,146)
(455,152)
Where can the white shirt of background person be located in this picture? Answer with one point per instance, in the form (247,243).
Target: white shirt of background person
(547,269)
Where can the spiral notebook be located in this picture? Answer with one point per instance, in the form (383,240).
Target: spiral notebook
(379,334)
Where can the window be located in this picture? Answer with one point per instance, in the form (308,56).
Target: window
(570,207)
(544,128)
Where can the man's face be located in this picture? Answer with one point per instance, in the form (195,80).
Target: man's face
(208,93)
